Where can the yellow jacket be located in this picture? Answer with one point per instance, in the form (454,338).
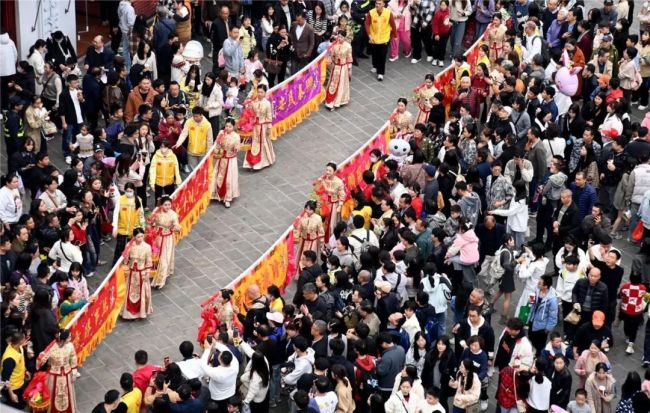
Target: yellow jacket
(199,135)
(17,378)
(127,217)
(163,169)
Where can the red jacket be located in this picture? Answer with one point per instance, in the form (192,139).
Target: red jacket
(632,298)
(614,95)
(438,26)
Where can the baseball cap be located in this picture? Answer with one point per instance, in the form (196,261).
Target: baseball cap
(429,170)
(598,318)
(99,147)
(607,38)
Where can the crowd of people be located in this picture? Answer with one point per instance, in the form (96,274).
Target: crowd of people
(398,287)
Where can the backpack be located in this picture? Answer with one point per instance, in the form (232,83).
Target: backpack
(431,329)
(331,305)
(495,270)
(546,56)
(394,290)
(367,382)
(365,243)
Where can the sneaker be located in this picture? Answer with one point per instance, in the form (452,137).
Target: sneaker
(441,63)
(100,263)
(392,59)
(414,61)
(373,70)
(429,59)
(484,405)
(490,371)
(227,204)
(434,62)
(408,55)
(68,159)
(645,364)
(186,169)
(642,107)
(630,348)
(90,274)
(380,78)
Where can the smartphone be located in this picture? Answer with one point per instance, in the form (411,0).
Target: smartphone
(235,333)
(58,262)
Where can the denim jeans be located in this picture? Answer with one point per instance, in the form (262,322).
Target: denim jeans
(89,256)
(66,138)
(125,50)
(480,29)
(456,36)
(441,318)
(274,385)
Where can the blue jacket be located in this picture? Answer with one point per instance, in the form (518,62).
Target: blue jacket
(479,360)
(543,313)
(585,198)
(388,367)
(187,406)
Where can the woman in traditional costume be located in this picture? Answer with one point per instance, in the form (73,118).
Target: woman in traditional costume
(310,230)
(338,88)
(166,224)
(496,36)
(261,153)
(402,120)
(62,360)
(138,289)
(335,193)
(423,98)
(225,185)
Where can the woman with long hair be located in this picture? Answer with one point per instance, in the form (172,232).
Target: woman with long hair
(416,354)
(166,225)
(225,185)
(644,60)
(36,59)
(66,250)
(338,88)
(76,279)
(517,214)
(61,359)
(507,283)
(211,99)
(439,368)
(601,389)
(191,85)
(267,24)
(129,170)
(138,288)
(147,58)
(532,265)
(23,161)
(318,20)
(404,400)
(335,193)
(43,322)
(71,303)
(467,385)
(278,52)
(594,111)
(255,382)
(343,390)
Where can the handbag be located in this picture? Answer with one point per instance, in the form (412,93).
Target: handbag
(573,317)
(49,130)
(524,311)
(473,408)
(272,66)
(637,232)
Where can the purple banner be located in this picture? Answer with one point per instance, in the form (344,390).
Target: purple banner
(297,92)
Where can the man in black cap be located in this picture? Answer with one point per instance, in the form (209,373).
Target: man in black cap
(98,156)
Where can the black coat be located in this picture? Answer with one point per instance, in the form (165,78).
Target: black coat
(307,275)
(599,296)
(92,88)
(66,107)
(104,59)
(587,333)
(560,387)
(446,367)
(219,34)
(44,329)
(56,52)
(280,18)
(570,223)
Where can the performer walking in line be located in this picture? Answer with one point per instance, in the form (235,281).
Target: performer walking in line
(261,154)
(338,88)
(166,224)
(138,288)
(335,189)
(225,185)
(62,360)
(310,230)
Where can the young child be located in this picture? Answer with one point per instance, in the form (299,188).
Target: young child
(327,41)
(115,124)
(431,403)
(232,96)
(252,65)
(437,114)
(325,399)
(400,265)
(453,222)
(258,79)
(72,69)
(344,10)
(579,405)
(84,142)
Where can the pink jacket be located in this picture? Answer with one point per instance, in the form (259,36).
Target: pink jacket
(396,8)
(467,244)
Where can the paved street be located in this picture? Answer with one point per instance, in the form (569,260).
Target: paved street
(226,241)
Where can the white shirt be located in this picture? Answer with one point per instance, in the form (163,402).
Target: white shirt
(191,368)
(223,380)
(287,13)
(77,105)
(11,205)
(299,30)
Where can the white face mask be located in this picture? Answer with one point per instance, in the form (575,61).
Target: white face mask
(129,194)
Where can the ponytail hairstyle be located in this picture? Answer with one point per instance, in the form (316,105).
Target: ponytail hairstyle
(540,367)
(39,43)
(339,374)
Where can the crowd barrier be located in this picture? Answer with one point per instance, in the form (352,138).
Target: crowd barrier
(350,171)
(293,100)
